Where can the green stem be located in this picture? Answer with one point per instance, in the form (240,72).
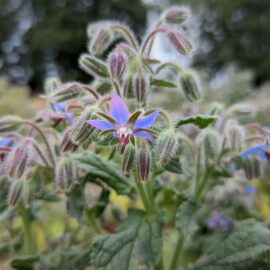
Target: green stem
(160,265)
(202,183)
(142,194)
(25,215)
(177,253)
(92,221)
(149,189)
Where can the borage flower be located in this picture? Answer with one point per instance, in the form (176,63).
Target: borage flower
(61,108)
(123,125)
(262,150)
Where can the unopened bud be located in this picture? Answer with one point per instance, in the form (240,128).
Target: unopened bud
(215,108)
(93,66)
(234,135)
(66,92)
(242,110)
(18,159)
(129,86)
(100,41)
(9,123)
(81,130)
(143,162)
(66,143)
(252,168)
(128,159)
(167,145)
(117,64)
(210,143)
(181,44)
(26,194)
(141,86)
(176,15)
(190,87)
(65,174)
(51,85)
(14,193)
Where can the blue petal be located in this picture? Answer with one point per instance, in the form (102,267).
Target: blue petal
(5,141)
(101,124)
(118,110)
(250,189)
(146,121)
(69,117)
(254,150)
(143,134)
(59,106)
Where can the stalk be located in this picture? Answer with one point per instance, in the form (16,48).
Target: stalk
(176,254)
(92,221)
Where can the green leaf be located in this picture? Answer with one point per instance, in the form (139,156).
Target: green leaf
(242,249)
(174,166)
(136,245)
(163,83)
(105,170)
(201,121)
(186,218)
(24,262)
(221,171)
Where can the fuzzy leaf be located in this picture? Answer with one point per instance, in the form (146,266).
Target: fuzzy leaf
(201,121)
(186,222)
(242,249)
(137,244)
(105,170)
(163,83)
(24,262)
(174,166)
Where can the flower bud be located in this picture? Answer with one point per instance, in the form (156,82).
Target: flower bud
(65,174)
(209,142)
(242,110)
(18,159)
(14,193)
(252,168)
(93,66)
(66,92)
(181,44)
(9,123)
(215,108)
(176,15)
(128,159)
(66,143)
(100,41)
(128,86)
(190,87)
(167,145)
(117,64)
(26,194)
(51,85)
(234,135)
(81,130)
(141,86)
(143,162)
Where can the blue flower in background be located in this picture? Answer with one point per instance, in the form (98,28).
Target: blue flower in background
(220,221)
(4,141)
(250,189)
(125,126)
(62,107)
(260,150)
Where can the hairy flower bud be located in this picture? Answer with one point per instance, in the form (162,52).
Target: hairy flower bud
(81,131)
(18,159)
(117,64)
(181,44)
(51,85)
(129,86)
(15,191)
(190,86)
(141,86)
(234,135)
(26,194)
(242,110)
(93,66)
(66,143)
(128,159)
(143,162)
(9,123)
(100,41)
(167,145)
(176,15)
(215,108)
(66,92)
(252,168)
(65,174)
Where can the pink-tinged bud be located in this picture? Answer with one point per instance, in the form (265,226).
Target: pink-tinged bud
(14,193)
(190,87)
(101,40)
(18,159)
(66,143)
(66,92)
(128,159)
(65,174)
(9,123)
(180,43)
(117,64)
(143,162)
(176,15)
(167,145)
(81,130)
(93,66)
(141,86)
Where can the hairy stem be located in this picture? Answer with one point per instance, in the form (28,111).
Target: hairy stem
(203,181)
(176,253)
